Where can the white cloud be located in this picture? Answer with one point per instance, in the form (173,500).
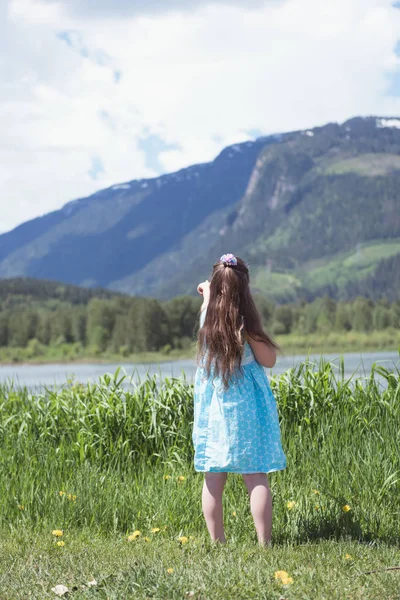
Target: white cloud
(105,8)
(198,79)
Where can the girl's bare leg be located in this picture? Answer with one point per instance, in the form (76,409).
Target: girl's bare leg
(260,505)
(213,488)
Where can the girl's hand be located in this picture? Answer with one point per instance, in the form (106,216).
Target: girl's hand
(204,290)
(204,287)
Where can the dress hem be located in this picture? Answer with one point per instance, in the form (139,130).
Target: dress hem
(241,472)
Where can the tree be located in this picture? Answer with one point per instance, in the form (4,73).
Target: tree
(283,315)
(149,327)
(266,308)
(61,326)
(362,314)
(18,336)
(395,314)
(31,321)
(380,317)
(182,314)
(79,324)
(342,317)
(44,329)
(100,318)
(120,336)
(3,329)
(326,314)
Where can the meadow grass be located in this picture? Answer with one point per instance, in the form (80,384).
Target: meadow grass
(102,461)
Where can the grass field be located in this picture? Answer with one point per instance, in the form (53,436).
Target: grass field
(316,274)
(370,165)
(100,462)
(347,266)
(276,285)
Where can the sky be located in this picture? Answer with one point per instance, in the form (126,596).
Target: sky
(98,92)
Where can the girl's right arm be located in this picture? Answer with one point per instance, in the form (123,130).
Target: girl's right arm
(204,290)
(265,354)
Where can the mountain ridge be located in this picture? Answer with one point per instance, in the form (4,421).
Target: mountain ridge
(281,201)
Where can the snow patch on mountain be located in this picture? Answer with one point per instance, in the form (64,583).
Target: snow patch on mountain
(388,123)
(121,186)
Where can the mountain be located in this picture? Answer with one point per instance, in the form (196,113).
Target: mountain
(313,212)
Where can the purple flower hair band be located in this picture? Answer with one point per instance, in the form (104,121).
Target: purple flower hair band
(229,260)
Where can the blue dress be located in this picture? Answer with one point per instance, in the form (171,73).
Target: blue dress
(236,430)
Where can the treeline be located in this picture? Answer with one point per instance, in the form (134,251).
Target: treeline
(324,315)
(122,325)
(126,325)
(29,291)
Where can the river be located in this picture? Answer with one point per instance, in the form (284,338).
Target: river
(39,376)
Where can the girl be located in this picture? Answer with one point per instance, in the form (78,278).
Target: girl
(236,428)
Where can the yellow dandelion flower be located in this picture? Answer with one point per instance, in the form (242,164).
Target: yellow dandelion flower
(57,532)
(290,504)
(170,571)
(348,557)
(61,544)
(181,478)
(166,477)
(134,535)
(346,508)
(155,530)
(283,577)
(21,507)
(61,493)
(183,539)
(71,497)
(316,492)
(146,539)
(234,513)
(280,574)
(316,507)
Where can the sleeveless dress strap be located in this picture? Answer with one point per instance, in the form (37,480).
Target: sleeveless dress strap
(203,316)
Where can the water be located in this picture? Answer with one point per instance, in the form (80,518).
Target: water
(38,376)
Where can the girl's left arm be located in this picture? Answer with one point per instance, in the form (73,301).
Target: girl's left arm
(265,354)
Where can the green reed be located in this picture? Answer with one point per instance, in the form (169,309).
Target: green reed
(111,445)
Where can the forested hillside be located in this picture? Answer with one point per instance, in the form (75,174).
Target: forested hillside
(36,316)
(313,212)
(27,291)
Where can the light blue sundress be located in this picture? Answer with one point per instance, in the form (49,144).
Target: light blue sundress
(236,430)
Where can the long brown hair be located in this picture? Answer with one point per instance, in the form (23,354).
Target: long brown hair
(231,314)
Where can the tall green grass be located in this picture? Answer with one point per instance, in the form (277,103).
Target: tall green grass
(112,446)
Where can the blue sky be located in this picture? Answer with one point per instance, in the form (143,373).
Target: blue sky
(95,93)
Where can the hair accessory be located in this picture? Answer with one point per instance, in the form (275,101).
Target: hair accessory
(228,260)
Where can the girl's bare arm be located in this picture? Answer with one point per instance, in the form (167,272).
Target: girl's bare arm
(204,290)
(265,354)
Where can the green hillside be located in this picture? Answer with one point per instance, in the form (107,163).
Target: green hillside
(320,214)
(313,212)
(327,273)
